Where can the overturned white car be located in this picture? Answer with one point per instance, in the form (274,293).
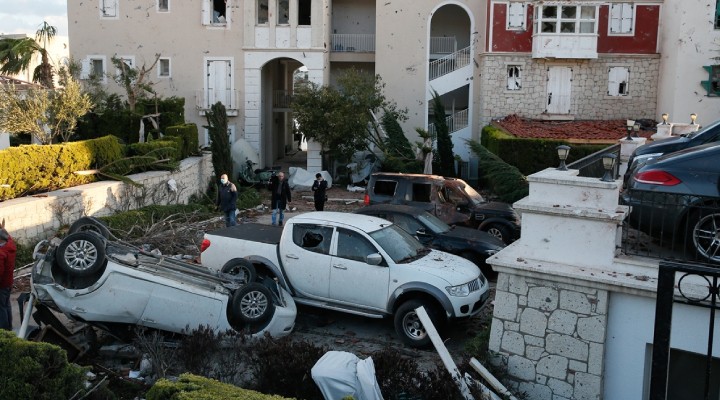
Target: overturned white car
(111,285)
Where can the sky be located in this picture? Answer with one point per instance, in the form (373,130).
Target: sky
(26,16)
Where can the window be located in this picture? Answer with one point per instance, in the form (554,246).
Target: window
(516,16)
(421,192)
(163,68)
(385,188)
(109,8)
(214,12)
(93,67)
(686,376)
(712,85)
(230,131)
(262,12)
(304,12)
(622,18)
(514,81)
(283,12)
(312,237)
(163,5)
(129,62)
(565,19)
(353,246)
(717,14)
(618,81)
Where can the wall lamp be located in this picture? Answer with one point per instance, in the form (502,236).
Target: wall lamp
(636,129)
(563,151)
(608,161)
(629,126)
(665,117)
(693,117)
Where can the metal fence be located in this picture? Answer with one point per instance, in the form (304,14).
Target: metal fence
(353,42)
(451,62)
(592,167)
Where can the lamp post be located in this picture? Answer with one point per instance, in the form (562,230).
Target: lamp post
(665,117)
(608,161)
(636,129)
(562,151)
(629,126)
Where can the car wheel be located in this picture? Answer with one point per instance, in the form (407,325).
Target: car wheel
(81,254)
(499,231)
(706,235)
(253,303)
(90,224)
(408,325)
(242,270)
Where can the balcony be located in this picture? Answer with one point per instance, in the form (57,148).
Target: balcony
(282,99)
(352,43)
(564,45)
(204,99)
(449,63)
(455,122)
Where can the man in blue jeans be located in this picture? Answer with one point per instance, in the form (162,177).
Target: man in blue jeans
(280,190)
(227,200)
(7,268)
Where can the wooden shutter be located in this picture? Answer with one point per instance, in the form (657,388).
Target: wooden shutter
(516,16)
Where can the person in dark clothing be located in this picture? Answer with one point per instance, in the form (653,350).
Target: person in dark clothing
(280,190)
(319,187)
(7,268)
(227,200)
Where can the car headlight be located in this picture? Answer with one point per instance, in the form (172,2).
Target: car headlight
(459,290)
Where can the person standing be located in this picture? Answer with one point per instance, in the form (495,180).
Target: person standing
(319,187)
(227,200)
(280,190)
(7,268)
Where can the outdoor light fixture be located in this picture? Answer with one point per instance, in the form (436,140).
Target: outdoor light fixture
(665,117)
(562,151)
(636,129)
(608,161)
(630,124)
(693,117)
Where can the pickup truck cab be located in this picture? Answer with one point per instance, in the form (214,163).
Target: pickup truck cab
(353,263)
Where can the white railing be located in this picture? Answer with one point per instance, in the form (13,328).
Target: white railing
(352,42)
(449,63)
(443,45)
(455,122)
(204,99)
(282,99)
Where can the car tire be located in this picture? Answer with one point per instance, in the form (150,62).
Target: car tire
(498,230)
(242,271)
(253,303)
(90,224)
(706,234)
(81,254)
(408,325)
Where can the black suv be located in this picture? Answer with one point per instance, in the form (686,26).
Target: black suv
(450,199)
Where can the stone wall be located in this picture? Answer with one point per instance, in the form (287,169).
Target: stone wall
(35,217)
(550,337)
(590,100)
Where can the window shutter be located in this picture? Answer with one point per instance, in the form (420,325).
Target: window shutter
(627,18)
(109,8)
(206,8)
(613,82)
(516,16)
(85,68)
(615,17)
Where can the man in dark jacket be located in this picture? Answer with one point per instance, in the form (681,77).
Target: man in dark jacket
(319,187)
(280,190)
(7,267)
(227,200)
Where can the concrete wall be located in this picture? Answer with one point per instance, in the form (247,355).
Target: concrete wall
(35,217)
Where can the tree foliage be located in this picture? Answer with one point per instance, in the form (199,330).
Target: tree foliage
(444,157)
(134,80)
(341,118)
(219,140)
(17,54)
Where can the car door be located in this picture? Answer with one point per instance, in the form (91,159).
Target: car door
(307,259)
(352,279)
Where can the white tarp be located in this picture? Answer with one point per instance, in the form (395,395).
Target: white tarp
(339,374)
(302,180)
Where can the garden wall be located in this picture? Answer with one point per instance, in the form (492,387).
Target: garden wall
(37,217)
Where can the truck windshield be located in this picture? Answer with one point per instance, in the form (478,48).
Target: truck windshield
(398,244)
(474,196)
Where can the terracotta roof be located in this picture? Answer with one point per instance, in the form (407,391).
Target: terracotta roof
(596,131)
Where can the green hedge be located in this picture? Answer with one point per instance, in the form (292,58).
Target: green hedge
(162,149)
(192,387)
(188,136)
(31,169)
(504,180)
(36,370)
(531,155)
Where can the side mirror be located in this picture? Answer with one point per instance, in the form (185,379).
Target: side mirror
(421,232)
(374,259)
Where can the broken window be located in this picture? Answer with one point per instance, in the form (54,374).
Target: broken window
(621,18)
(109,8)
(516,16)
(283,12)
(262,12)
(618,81)
(129,62)
(385,188)
(313,237)
(421,192)
(513,77)
(163,5)
(164,68)
(565,19)
(712,85)
(219,12)
(304,12)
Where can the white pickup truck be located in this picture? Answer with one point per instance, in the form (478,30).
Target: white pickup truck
(353,263)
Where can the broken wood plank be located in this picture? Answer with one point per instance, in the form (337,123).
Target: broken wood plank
(489,378)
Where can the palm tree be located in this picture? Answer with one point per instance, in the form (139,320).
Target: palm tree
(16,55)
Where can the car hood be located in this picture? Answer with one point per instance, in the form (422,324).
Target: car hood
(663,146)
(473,237)
(453,269)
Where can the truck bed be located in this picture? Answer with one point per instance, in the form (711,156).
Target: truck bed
(253,232)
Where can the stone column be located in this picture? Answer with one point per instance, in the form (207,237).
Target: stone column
(627,146)
(663,131)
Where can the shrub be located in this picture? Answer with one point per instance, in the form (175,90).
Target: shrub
(248,198)
(125,221)
(36,370)
(191,387)
(162,149)
(188,136)
(504,180)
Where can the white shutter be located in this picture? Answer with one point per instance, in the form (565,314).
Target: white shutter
(206,12)
(618,80)
(626,22)
(85,68)
(621,18)
(109,8)
(516,16)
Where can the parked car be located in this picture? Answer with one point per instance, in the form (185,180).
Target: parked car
(357,264)
(114,286)
(647,152)
(471,244)
(676,197)
(450,199)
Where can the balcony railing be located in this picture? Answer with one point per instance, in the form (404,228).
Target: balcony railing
(455,122)
(592,167)
(449,63)
(282,99)
(352,42)
(443,45)
(565,45)
(204,99)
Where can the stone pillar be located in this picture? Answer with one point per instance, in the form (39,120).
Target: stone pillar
(627,146)
(663,131)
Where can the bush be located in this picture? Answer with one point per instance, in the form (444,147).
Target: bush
(504,180)
(188,136)
(191,387)
(162,149)
(36,370)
